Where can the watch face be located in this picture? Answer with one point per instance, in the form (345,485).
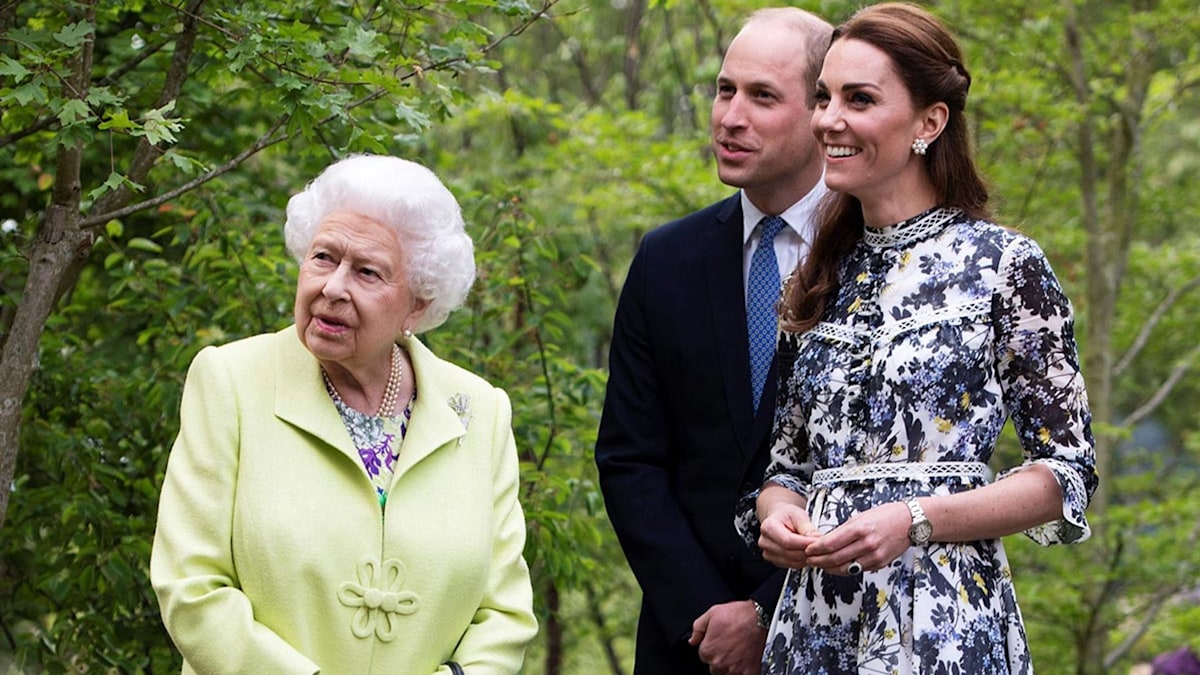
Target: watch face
(920,531)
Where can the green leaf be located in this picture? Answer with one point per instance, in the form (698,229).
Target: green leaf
(74,34)
(413,117)
(73,111)
(158,128)
(30,92)
(144,244)
(12,69)
(363,43)
(119,120)
(113,182)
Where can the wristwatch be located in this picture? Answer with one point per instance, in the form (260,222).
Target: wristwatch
(921,529)
(760,614)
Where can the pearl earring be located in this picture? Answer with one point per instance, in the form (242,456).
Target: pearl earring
(919,147)
(407,333)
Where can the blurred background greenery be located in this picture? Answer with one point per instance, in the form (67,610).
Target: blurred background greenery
(147,148)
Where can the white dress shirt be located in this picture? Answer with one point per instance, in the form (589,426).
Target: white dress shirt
(793,242)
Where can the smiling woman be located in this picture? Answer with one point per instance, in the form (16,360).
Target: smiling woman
(339,499)
(916,327)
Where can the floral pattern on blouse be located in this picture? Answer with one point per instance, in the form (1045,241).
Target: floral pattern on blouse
(377,440)
(942,328)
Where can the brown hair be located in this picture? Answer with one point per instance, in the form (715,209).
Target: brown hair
(930,64)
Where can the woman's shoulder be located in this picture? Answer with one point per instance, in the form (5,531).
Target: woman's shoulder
(252,352)
(991,230)
(1007,241)
(253,345)
(446,374)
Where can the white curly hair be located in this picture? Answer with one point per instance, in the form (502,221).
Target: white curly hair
(408,198)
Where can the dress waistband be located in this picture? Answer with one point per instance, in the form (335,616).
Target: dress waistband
(900,470)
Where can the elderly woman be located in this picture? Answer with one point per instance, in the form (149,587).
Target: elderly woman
(340,500)
(917,327)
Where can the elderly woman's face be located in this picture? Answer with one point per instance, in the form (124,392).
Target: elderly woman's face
(352,298)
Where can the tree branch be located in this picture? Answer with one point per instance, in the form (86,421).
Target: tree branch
(1159,600)
(177,73)
(1152,322)
(1163,391)
(268,139)
(51,122)
(264,141)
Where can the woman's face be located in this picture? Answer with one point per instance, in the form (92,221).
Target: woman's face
(352,297)
(866,122)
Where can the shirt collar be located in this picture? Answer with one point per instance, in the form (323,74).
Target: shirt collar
(800,217)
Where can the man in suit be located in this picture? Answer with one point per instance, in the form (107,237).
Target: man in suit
(685,431)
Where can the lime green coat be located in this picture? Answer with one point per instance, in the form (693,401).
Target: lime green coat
(271,555)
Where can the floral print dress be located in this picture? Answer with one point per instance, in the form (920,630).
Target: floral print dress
(942,328)
(377,439)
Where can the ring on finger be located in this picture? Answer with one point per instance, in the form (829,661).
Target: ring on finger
(854,568)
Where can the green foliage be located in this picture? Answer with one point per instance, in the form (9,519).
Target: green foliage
(102,415)
(1145,558)
(564,146)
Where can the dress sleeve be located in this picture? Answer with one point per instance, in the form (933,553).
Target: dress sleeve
(191,563)
(495,641)
(790,464)
(1038,368)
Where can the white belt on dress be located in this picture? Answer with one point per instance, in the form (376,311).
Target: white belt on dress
(899,470)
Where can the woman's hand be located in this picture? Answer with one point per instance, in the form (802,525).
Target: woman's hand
(873,539)
(786,535)
(785,528)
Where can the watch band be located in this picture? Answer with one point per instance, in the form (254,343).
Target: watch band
(760,614)
(921,529)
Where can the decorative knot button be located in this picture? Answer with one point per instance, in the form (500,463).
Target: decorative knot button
(377,600)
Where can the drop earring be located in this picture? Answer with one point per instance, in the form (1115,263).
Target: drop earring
(919,147)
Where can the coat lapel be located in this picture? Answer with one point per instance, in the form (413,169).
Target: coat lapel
(300,396)
(728,301)
(435,421)
(301,400)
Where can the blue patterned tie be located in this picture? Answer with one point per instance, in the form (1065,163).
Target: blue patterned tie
(761,295)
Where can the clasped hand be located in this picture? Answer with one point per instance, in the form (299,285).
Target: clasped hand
(872,538)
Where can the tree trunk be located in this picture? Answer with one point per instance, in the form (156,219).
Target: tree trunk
(54,255)
(605,635)
(554,630)
(1108,245)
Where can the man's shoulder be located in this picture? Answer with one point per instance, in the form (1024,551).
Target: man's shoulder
(714,215)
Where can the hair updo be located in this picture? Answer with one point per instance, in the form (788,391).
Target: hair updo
(929,63)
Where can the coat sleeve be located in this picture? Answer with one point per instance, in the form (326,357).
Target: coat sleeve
(495,641)
(191,563)
(678,577)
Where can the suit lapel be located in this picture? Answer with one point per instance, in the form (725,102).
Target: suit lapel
(727,298)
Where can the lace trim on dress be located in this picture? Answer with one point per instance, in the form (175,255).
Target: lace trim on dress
(920,226)
(838,332)
(898,471)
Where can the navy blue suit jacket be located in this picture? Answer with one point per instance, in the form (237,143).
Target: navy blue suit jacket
(679,441)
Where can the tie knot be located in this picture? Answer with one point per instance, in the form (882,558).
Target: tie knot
(771,225)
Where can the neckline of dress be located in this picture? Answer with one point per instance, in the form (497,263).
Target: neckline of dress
(921,226)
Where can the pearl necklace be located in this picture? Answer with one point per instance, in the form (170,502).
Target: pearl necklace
(387,406)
